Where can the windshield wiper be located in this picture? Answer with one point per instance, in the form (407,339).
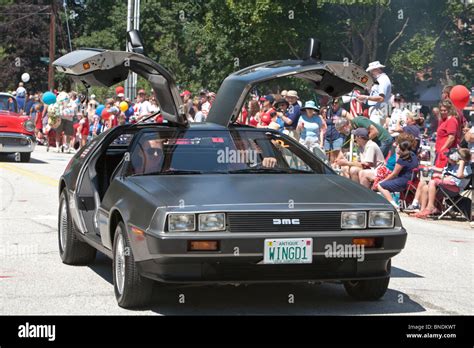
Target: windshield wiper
(270,170)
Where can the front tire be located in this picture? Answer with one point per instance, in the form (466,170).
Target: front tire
(367,290)
(25,156)
(131,289)
(71,249)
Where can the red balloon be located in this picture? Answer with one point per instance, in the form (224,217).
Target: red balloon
(119,90)
(105,115)
(459,96)
(266,119)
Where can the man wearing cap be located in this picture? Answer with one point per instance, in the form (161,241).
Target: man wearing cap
(294,113)
(204,101)
(376,132)
(281,106)
(370,157)
(399,115)
(268,112)
(380,93)
(120,97)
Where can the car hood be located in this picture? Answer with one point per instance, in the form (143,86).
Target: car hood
(12,122)
(322,192)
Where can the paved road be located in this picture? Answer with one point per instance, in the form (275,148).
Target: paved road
(433,275)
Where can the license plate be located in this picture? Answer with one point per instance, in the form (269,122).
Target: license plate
(284,251)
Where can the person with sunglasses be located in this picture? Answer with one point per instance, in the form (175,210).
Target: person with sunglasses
(447,133)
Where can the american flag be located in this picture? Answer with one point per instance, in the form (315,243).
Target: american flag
(356,106)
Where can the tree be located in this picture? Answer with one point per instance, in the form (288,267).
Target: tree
(24,31)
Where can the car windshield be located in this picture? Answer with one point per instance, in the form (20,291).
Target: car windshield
(8,103)
(189,152)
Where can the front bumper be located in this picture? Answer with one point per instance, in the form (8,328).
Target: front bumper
(16,142)
(171,261)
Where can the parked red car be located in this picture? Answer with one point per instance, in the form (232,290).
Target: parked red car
(16,131)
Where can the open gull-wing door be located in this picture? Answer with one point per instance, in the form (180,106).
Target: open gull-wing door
(329,78)
(96,67)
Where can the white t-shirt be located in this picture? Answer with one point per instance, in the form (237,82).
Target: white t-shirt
(205,108)
(199,117)
(371,153)
(384,87)
(143,108)
(397,114)
(21,92)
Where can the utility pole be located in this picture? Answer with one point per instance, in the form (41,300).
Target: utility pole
(133,19)
(52,45)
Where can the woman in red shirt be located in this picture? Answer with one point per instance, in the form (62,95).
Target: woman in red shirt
(447,134)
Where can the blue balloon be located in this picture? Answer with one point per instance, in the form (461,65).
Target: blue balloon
(129,112)
(49,98)
(99,110)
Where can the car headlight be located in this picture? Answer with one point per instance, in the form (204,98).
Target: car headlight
(381,219)
(353,219)
(212,222)
(181,222)
(29,126)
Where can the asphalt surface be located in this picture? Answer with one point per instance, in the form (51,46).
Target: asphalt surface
(433,275)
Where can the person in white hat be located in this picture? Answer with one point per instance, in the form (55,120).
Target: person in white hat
(293,115)
(380,93)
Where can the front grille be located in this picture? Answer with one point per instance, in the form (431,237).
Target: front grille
(309,221)
(8,141)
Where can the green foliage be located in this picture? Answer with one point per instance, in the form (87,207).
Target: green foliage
(202,41)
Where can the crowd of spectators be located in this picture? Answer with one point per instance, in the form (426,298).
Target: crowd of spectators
(377,141)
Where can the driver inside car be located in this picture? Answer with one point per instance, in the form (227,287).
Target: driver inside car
(150,157)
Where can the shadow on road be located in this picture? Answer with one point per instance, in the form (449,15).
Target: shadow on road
(266,299)
(103,267)
(401,273)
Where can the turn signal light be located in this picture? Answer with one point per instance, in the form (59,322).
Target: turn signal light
(203,245)
(86,66)
(367,242)
(138,234)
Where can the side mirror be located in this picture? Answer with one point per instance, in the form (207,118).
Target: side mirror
(135,42)
(313,50)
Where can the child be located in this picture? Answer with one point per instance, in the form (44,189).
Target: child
(414,121)
(397,180)
(425,198)
(83,129)
(95,128)
(39,123)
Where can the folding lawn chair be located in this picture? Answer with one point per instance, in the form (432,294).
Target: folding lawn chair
(407,196)
(456,203)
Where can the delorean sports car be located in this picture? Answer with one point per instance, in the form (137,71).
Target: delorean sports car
(167,206)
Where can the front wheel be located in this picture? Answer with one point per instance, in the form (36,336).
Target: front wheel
(131,289)
(367,290)
(25,156)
